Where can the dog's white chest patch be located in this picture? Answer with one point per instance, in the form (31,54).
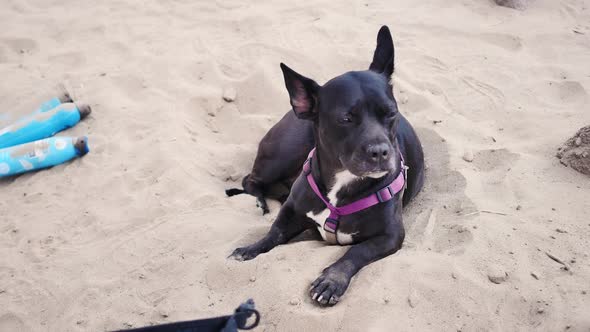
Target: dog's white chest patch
(341,179)
(320,220)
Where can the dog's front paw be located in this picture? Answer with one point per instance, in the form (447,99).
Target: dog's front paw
(329,287)
(244,254)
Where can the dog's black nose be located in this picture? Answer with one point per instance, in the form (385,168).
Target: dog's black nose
(378,152)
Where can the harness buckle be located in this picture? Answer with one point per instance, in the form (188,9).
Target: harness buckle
(379,198)
(307,167)
(331,225)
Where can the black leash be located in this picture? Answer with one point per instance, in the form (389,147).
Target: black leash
(232,323)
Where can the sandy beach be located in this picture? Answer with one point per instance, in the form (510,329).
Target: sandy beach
(137,232)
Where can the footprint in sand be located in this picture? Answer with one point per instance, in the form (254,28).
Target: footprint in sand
(486,97)
(559,93)
(411,88)
(293,17)
(424,64)
(236,61)
(11,48)
(11,322)
(219,275)
(412,102)
(11,233)
(494,166)
(38,249)
(229,4)
(434,220)
(568,11)
(69,59)
(570,91)
(236,128)
(19,6)
(253,94)
(240,63)
(154,297)
(433,64)
(49,245)
(495,159)
(132,85)
(118,48)
(505,41)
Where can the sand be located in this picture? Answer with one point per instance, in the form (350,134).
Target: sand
(137,232)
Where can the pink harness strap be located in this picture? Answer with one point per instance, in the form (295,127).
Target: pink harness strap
(383,195)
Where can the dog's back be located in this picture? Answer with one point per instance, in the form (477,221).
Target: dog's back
(283,150)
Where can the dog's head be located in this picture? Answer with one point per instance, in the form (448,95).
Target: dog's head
(355,114)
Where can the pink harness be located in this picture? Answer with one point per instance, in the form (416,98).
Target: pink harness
(383,195)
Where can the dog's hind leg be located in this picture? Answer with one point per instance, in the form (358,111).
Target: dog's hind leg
(258,190)
(253,188)
(283,198)
(280,191)
(261,203)
(260,200)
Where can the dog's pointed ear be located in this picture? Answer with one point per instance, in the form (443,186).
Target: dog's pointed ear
(384,55)
(303,93)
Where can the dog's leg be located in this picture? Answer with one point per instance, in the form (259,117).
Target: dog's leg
(260,200)
(285,191)
(286,226)
(257,190)
(334,280)
(261,203)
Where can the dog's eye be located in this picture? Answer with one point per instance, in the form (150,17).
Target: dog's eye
(347,118)
(390,110)
(390,114)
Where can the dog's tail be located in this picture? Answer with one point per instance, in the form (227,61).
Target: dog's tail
(234,191)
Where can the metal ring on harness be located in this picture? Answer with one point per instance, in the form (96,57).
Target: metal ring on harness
(249,312)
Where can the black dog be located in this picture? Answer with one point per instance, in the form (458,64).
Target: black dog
(361,141)
(281,153)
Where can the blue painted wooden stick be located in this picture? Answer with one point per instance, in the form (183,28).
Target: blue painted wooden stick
(43,123)
(41,154)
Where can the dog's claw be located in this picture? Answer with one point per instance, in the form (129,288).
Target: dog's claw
(243,254)
(327,289)
(334,299)
(236,255)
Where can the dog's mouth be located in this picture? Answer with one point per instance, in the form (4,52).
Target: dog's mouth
(376,175)
(362,168)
